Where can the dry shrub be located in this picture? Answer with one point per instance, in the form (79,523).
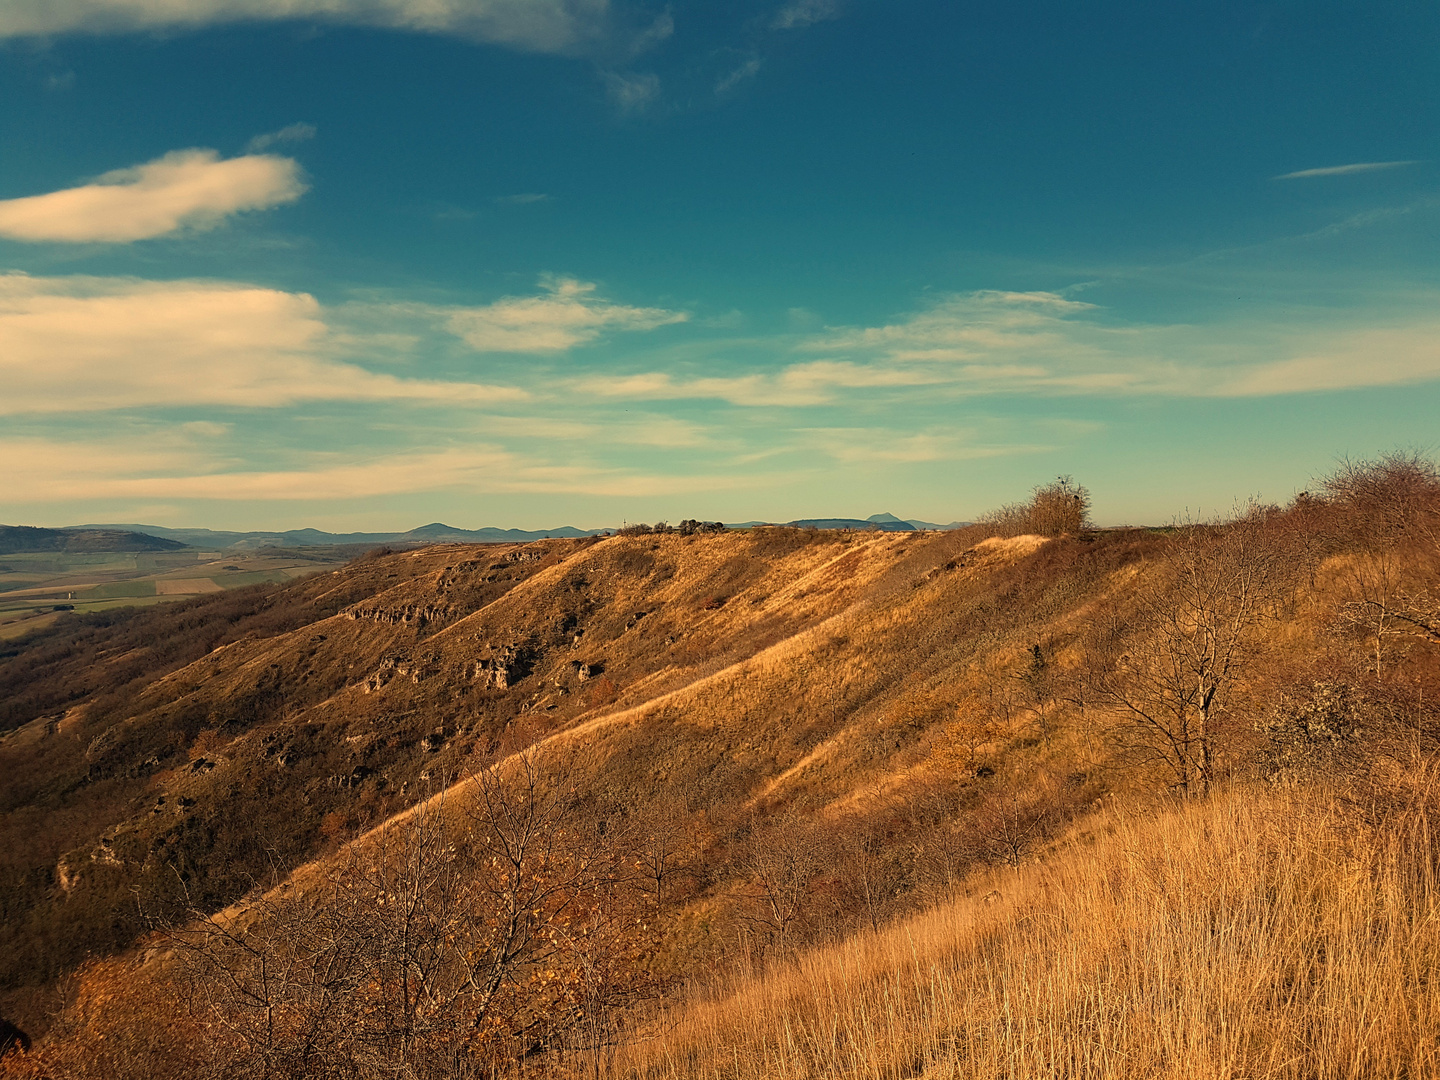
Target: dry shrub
(1054,509)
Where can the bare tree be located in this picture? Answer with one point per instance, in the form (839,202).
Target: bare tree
(1060,507)
(664,841)
(1007,825)
(1056,508)
(784,861)
(1200,629)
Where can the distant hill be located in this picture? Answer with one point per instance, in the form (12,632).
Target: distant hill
(883,522)
(435,532)
(853,523)
(883,519)
(27,539)
(439,533)
(933,527)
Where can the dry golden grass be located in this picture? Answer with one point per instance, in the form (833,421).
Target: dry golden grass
(1260,934)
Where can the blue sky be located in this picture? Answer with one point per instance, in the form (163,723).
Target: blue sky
(363,264)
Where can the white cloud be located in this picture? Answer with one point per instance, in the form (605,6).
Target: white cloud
(523,199)
(802,13)
(82,344)
(1344,170)
(567,315)
(291,133)
(865,446)
(643,429)
(538,25)
(631,93)
(49,470)
(1367,357)
(184,189)
(748,70)
(1042,343)
(811,383)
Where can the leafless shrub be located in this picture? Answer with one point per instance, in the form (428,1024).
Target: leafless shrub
(461,937)
(785,860)
(1390,519)
(1199,632)
(1054,509)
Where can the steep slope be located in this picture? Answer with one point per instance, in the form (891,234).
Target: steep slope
(735,672)
(177,740)
(805,734)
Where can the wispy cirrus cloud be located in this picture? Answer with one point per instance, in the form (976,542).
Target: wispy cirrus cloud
(567,314)
(52,470)
(802,13)
(1046,344)
(1344,170)
(186,189)
(1375,356)
(813,383)
(533,25)
(746,71)
(631,92)
(83,344)
(290,133)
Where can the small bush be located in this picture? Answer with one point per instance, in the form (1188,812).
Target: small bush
(1053,510)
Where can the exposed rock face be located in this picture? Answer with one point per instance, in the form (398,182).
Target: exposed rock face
(507,665)
(400,615)
(453,575)
(397,666)
(66,873)
(352,779)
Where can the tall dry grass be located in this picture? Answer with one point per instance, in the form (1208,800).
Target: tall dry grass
(1258,934)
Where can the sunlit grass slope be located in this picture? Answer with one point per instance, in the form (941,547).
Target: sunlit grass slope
(1264,933)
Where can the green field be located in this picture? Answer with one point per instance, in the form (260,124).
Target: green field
(33,587)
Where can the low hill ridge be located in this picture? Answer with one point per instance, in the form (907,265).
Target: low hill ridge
(431,533)
(28,539)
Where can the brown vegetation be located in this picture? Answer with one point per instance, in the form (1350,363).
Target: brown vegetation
(1027,799)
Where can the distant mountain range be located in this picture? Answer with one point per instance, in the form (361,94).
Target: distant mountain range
(434,533)
(883,522)
(160,538)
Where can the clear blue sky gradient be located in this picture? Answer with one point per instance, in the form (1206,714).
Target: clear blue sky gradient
(825,258)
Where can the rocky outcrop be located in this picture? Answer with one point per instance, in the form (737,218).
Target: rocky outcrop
(416,615)
(584,672)
(393,667)
(503,668)
(353,779)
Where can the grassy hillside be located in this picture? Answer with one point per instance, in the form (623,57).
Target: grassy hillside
(733,791)
(1260,933)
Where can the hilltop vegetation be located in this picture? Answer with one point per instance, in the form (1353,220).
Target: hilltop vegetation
(1019,799)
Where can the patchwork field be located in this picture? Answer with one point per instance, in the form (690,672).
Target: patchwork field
(36,588)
